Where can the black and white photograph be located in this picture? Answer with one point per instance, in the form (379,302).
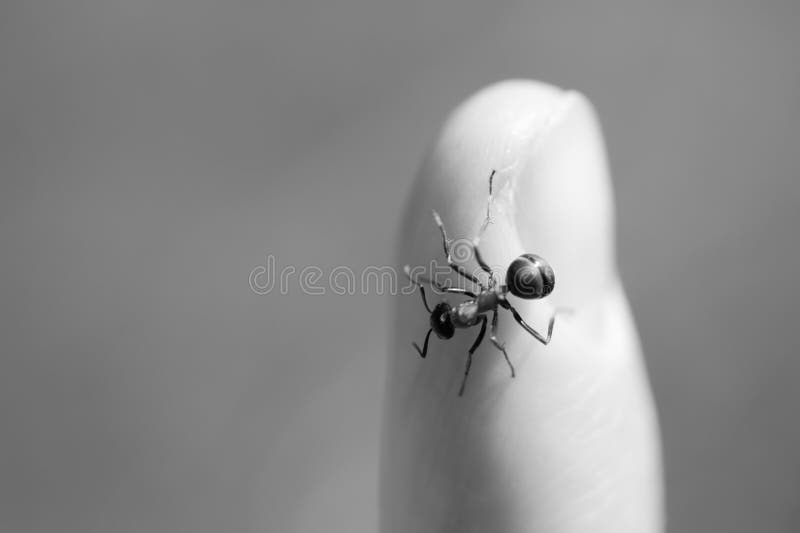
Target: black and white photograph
(399,267)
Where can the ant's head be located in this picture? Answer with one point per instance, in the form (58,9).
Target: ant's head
(441,323)
(531,277)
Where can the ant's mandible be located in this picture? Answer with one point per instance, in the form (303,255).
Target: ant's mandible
(529,276)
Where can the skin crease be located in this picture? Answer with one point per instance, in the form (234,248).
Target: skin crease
(571,444)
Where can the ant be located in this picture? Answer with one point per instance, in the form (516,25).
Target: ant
(529,276)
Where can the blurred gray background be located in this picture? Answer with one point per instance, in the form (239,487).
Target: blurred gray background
(152,153)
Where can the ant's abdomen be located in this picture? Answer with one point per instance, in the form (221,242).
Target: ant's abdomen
(530,277)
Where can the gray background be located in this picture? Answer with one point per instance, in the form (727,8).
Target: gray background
(152,153)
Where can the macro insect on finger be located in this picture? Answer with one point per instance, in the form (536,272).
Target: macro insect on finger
(529,276)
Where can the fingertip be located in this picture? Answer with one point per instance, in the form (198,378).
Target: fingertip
(551,184)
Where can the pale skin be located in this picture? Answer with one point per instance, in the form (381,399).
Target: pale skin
(571,443)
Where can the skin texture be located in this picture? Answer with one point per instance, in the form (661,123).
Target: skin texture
(570,444)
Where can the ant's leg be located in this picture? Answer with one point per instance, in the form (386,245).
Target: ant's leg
(437,286)
(486,222)
(486,268)
(488,219)
(424,351)
(539,336)
(424,301)
(455,266)
(456,290)
(418,284)
(469,356)
(500,346)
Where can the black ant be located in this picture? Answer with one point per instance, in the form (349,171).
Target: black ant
(529,276)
